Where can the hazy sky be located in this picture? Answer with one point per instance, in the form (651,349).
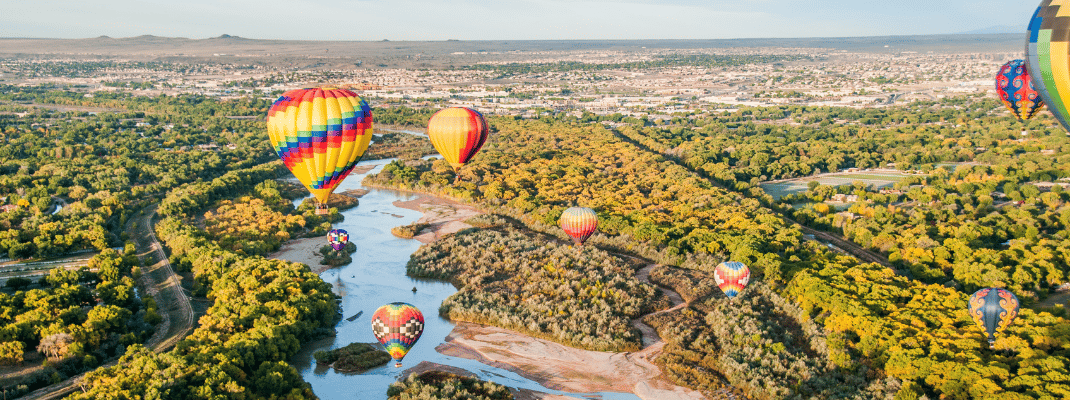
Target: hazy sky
(504,19)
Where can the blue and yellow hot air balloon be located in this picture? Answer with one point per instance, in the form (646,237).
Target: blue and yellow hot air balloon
(993,309)
(1016,91)
(579,223)
(457,133)
(1047,52)
(398,326)
(320,134)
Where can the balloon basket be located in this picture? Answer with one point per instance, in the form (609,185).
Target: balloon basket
(398,365)
(321,209)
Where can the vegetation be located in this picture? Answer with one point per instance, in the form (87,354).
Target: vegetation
(76,319)
(579,296)
(337,258)
(408,231)
(438,385)
(354,357)
(261,313)
(816,324)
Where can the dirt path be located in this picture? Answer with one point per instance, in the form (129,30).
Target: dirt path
(157,279)
(652,343)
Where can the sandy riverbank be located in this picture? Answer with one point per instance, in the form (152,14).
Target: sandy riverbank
(305,251)
(444,216)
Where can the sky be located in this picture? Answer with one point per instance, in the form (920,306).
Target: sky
(505,19)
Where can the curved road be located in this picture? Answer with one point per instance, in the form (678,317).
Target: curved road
(159,280)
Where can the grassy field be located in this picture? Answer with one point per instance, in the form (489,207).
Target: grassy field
(873,180)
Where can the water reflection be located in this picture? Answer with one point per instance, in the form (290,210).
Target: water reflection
(376,277)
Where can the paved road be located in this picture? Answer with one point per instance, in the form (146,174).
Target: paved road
(157,279)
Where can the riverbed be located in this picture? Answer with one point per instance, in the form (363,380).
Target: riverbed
(376,277)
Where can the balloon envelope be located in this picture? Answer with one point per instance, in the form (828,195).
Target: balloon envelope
(1016,91)
(320,134)
(993,309)
(397,326)
(1047,50)
(731,277)
(338,238)
(457,133)
(579,223)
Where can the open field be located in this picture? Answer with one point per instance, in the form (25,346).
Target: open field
(873,180)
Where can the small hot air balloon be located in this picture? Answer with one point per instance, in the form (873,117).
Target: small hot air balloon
(457,133)
(1047,49)
(320,134)
(1016,91)
(398,326)
(579,223)
(993,309)
(338,238)
(731,277)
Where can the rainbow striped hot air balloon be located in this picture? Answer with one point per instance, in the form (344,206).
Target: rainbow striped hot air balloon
(338,238)
(457,133)
(320,134)
(1047,52)
(993,309)
(398,326)
(731,277)
(579,223)
(1016,91)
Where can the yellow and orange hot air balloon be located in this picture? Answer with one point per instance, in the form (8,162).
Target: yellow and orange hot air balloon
(320,134)
(457,133)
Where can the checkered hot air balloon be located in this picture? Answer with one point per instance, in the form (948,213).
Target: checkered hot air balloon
(320,134)
(993,309)
(579,223)
(457,133)
(731,277)
(338,238)
(1016,91)
(1047,50)
(398,326)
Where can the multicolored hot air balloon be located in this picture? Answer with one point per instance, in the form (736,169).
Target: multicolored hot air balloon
(731,277)
(1047,56)
(993,309)
(338,238)
(398,326)
(1016,91)
(320,134)
(579,223)
(457,133)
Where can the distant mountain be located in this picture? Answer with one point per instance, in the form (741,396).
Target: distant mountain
(995,29)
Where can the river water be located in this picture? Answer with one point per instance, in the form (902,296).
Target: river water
(376,277)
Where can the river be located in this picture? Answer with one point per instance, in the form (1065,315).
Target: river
(376,277)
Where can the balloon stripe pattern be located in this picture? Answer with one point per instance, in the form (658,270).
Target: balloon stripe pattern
(993,309)
(1047,53)
(579,223)
(731,277)
(1016,91)
(458,133)
(320,134)
(338,238)
(397,326)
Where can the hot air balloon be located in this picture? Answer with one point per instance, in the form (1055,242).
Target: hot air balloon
(1047,50)
(579,223)
(398,326)
(1016,91)
(731,277)
(993,309)
(320,134)
(338,238)
(457,133)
